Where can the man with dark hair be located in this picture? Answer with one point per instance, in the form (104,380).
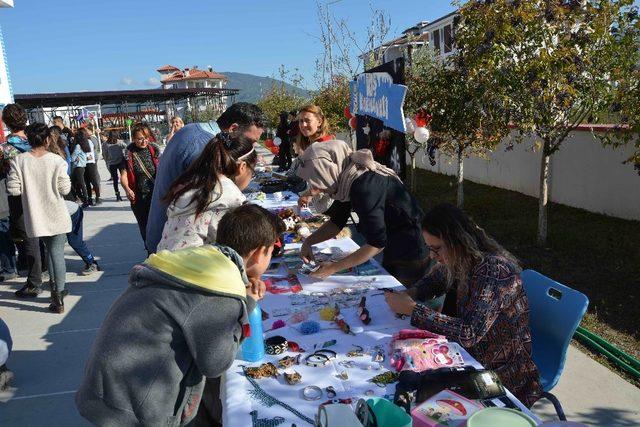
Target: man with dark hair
(65,132)
(182,319)
(185,146)
(15,117)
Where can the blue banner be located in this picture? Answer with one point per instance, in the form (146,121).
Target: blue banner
(375,95)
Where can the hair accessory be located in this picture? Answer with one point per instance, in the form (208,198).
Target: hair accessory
(277,325)
(331,392)
(358,352)
(295,347)
(311,392)
(275,345)
(328,313)
(309,327)
(289,361)
(225,139)
(264,370)
(316,359)
(292,378)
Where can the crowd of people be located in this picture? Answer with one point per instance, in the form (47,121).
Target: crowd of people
(185,313)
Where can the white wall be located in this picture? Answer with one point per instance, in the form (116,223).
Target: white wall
(584,174)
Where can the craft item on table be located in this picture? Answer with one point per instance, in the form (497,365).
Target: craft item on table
(347,363)
(288,361)
(316,359)
(378,354)
(368,269)
(292,378)
(309,327)
(308,268)
(311,392)
(282,285)
(420,354)
(358,352)
(289,217)
(342,324)
(385,378)
(275,345)
(267,400)
(363,313)
(265,370)
(277,325)
(295,347)
(326,344)
(327,352)
(279,312)
(347,401)
(343,375)
(445,408)
(327,313)
(265,422)
(331,392)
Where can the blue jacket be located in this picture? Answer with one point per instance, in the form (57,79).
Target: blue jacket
(20,144)
(185,146)
(78,157)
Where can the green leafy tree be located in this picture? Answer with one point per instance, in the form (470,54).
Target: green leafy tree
(279,98)
(463,121)
(550,64)
(333,98)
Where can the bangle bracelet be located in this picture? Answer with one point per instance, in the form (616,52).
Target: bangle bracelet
(316,359)
(311,392)
(275,345)
(331,354)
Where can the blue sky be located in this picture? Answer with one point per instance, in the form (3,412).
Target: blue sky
(68,45)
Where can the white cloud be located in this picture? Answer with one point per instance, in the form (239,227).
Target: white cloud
(127,81)
(152,81)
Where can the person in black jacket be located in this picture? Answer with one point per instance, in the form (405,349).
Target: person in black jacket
(285,146)
(389,215)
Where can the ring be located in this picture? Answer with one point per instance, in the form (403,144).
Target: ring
(311,392)
(331,392)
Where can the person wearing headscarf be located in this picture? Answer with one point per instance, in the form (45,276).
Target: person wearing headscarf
(389,216)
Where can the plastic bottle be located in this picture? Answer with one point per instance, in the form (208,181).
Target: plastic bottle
(253,346)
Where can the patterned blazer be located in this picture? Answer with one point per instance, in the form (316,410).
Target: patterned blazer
(492,323)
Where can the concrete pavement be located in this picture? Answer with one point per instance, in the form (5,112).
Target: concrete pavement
(50,350)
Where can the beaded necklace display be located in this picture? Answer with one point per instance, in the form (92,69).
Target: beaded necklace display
(265,422)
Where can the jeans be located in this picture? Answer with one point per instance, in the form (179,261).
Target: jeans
(114,170)
(92,180)
(7,249)
(57,266)
(140,210)
(75,239)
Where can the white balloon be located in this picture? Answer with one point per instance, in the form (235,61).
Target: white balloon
(277,141)
(409,125)
(421,135)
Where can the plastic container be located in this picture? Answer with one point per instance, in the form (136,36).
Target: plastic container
(387,414)
(253,346)
(500,417)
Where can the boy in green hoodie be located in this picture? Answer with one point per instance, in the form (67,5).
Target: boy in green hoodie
(181,320)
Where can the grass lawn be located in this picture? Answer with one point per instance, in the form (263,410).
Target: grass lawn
(595,254)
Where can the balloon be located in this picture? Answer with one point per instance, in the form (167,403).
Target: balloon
(353,122)
(409,125)
(277,141)
(347,112)
(421,135)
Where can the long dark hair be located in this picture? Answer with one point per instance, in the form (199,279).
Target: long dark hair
(467,243)
(57,144)
(220,156)
(82,140)
(112,137)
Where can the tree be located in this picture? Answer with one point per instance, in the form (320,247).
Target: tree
(463,121)
(279,98)
(550,64)
(333,98)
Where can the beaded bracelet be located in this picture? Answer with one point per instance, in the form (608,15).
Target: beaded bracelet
(275,345)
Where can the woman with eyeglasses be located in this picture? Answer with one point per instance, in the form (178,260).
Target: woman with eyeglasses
(491,318)
(138,178)
(209,188)
(389,216)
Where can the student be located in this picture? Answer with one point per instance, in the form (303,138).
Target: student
(139,176)
(79,150)
(239,119)
(211,186)
(180,320)
(15,117)
(389,215)
(91,174)
(116,162)
(492,320)
(285,145)
(41,178)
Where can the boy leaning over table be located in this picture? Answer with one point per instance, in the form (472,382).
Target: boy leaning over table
(181,320)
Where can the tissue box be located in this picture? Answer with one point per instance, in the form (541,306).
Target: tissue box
(445,409)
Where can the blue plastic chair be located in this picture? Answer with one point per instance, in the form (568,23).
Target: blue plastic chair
(555,313)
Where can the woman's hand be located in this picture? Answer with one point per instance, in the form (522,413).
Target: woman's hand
(325,270)
(400,302)
(131,195)
(306,253)
(256,288)
(303,201)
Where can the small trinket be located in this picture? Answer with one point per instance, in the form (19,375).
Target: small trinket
(369,392)
(316,359)
(293,378)
(264,370)
(363,313)
(344,376)
(385,378)
(295,347)
(275,345)
(358,352)
(378,356)
(347,363)
(311,392)
(289,361)
(331,392)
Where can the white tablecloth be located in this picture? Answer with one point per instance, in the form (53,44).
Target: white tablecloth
(235,389)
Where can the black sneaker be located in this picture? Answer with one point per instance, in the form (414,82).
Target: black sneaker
(98,201)
(28,291)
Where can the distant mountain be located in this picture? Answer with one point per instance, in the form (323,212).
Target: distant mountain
(251,87)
